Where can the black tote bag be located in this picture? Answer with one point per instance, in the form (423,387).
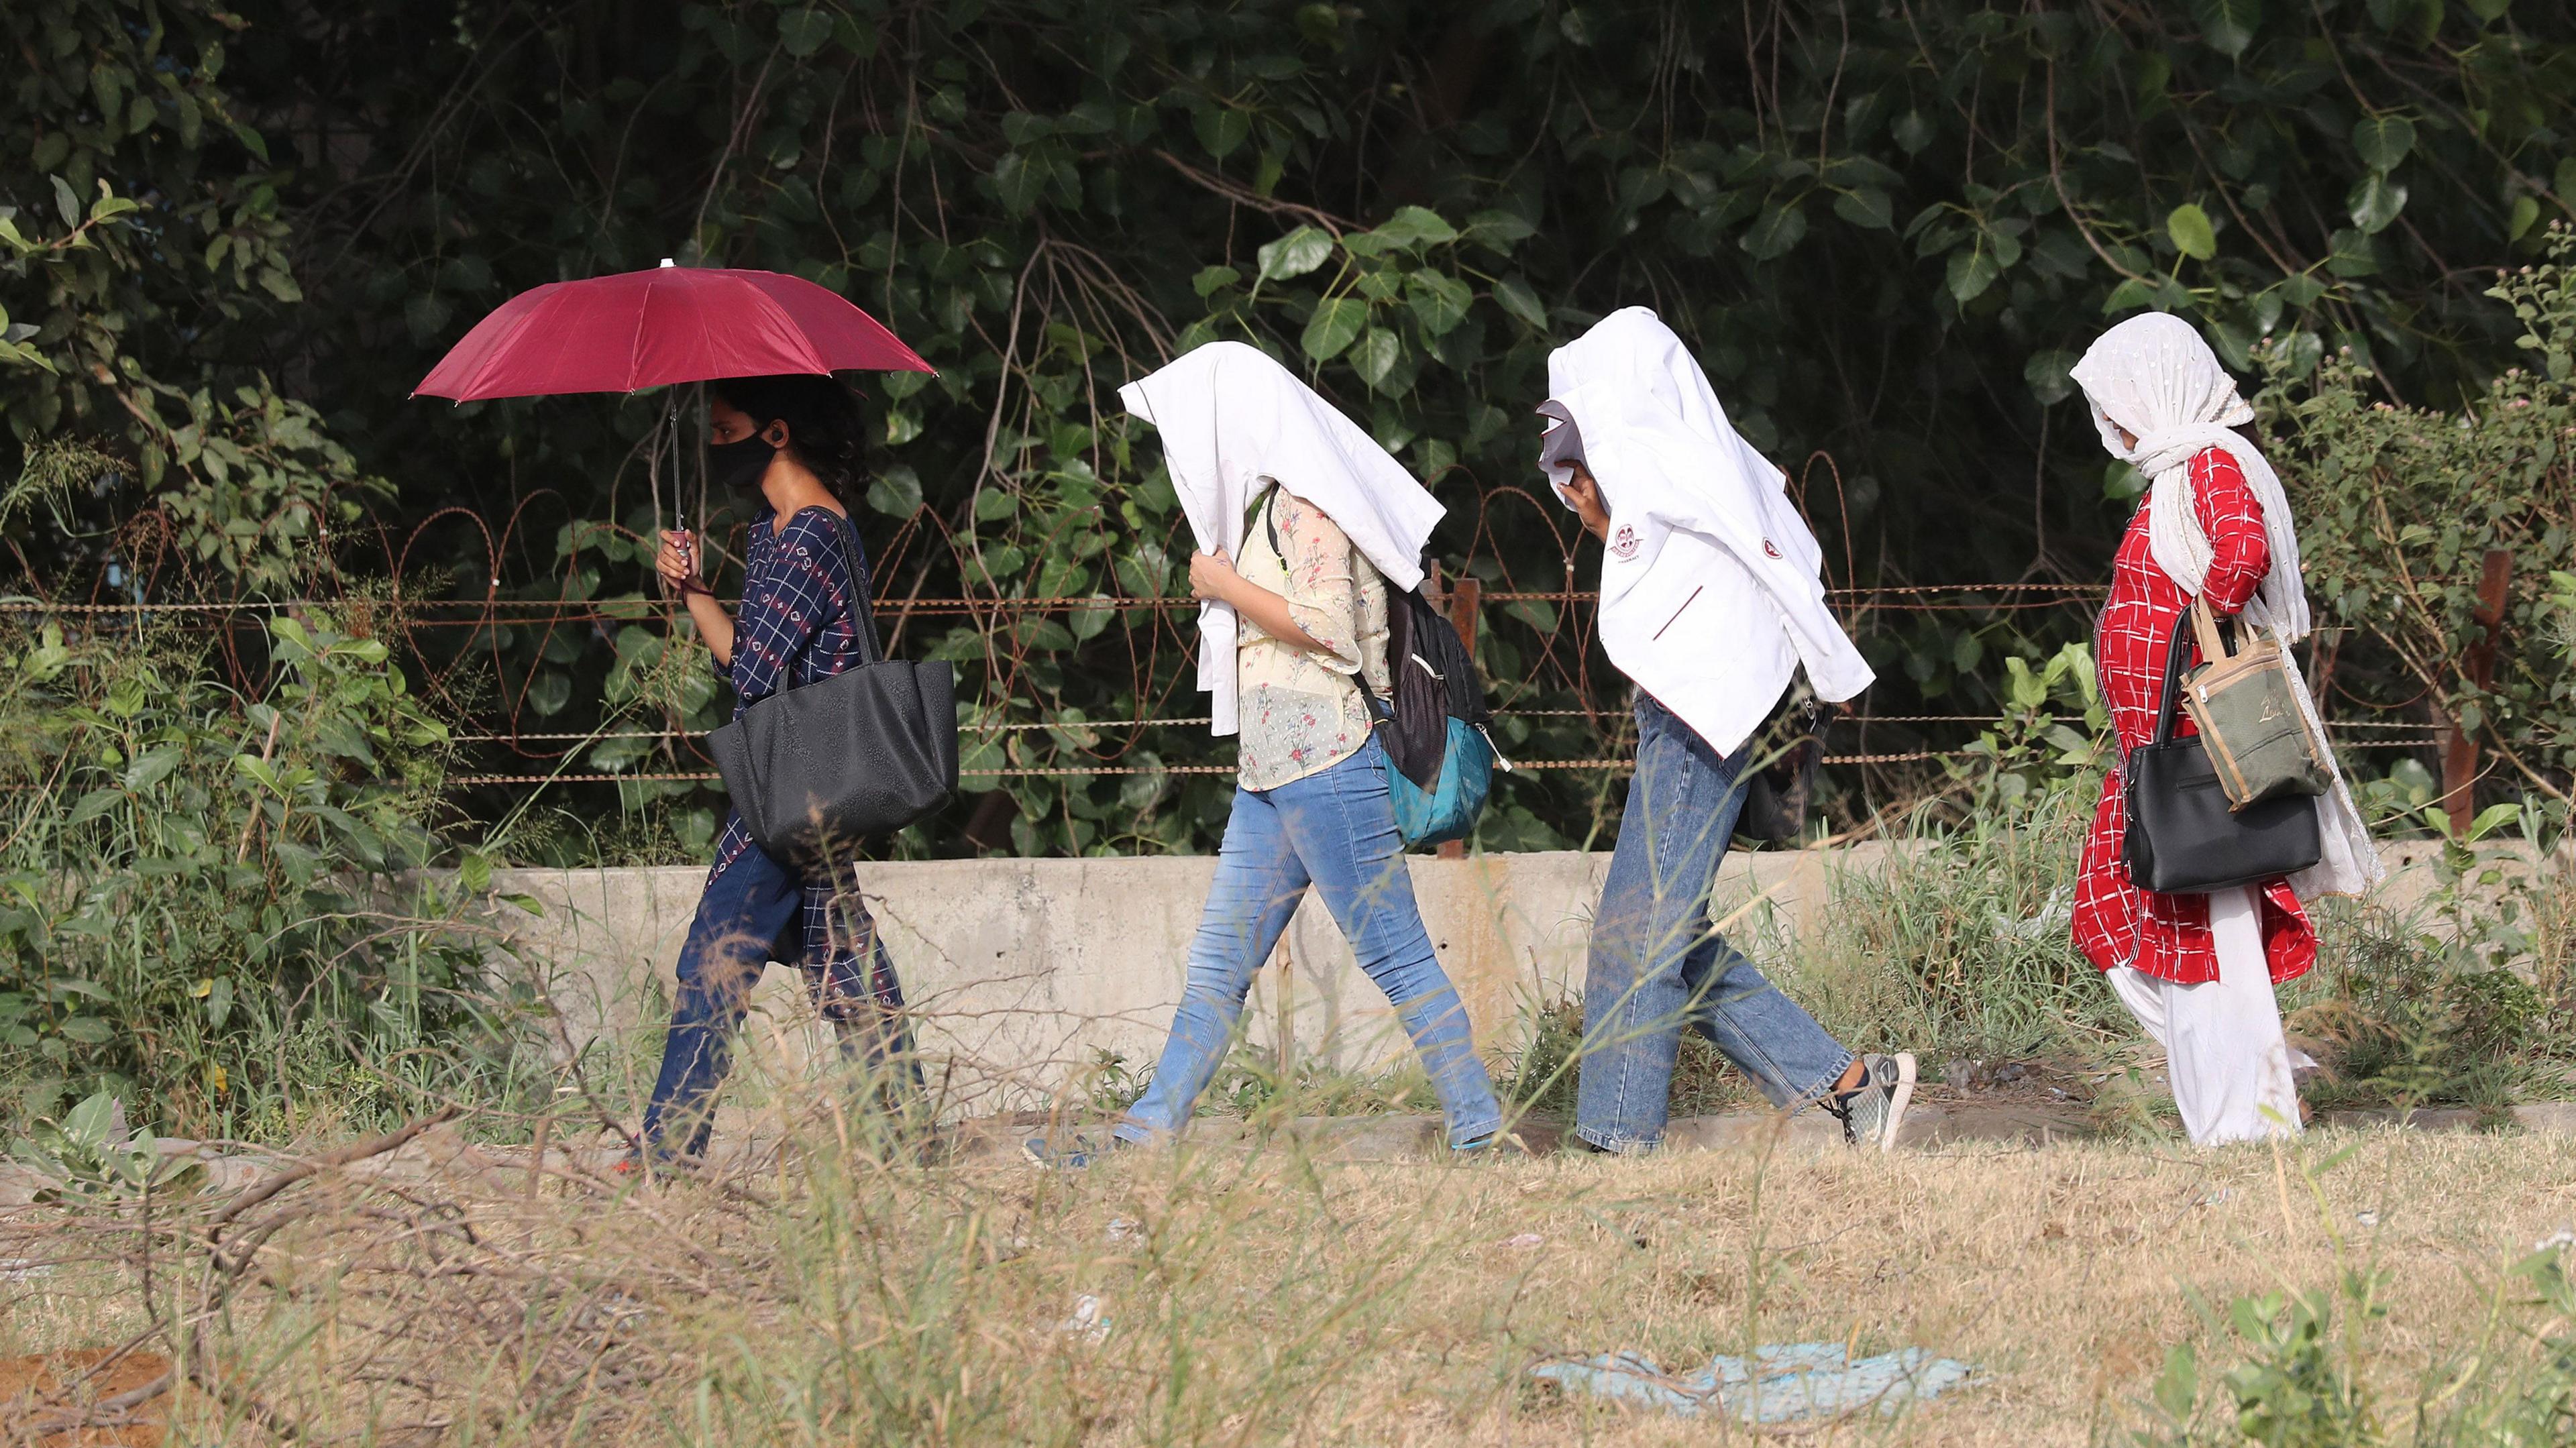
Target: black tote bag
(2183,839)
(865,752)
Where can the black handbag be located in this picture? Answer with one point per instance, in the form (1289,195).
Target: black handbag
(865,752)
(2183,839)
(1780,785)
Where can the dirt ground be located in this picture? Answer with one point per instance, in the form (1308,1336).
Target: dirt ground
(1234,1295)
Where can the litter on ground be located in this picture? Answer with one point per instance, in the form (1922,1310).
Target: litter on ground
(1792,1381)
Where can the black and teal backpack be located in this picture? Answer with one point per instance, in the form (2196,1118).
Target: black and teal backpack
(1440,758)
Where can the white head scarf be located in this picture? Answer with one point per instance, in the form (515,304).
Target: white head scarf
(2155,376)
(1233,420)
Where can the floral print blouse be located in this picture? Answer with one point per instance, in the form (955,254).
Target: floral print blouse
(1300,711)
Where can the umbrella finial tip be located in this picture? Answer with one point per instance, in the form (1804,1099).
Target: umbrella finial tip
(666,261)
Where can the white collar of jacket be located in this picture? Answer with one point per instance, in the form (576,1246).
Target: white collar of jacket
(1232,418)
(1711,587)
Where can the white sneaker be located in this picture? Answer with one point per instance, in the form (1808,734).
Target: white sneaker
(1872,1112)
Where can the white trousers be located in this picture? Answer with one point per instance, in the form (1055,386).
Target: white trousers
(2224,1051)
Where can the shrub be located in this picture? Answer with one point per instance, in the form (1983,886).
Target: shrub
(214,903)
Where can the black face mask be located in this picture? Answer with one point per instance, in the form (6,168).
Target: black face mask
(739,465)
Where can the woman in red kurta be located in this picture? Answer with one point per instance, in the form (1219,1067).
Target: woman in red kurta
(2116,923)
(2199,970)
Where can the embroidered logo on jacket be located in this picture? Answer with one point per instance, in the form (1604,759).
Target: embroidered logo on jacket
(1767,548)
(1623,544)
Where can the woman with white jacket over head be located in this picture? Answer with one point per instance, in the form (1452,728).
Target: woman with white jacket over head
(1302,523)
(1711,600)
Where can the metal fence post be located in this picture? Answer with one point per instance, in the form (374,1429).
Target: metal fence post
(1463,599)
(2460,747)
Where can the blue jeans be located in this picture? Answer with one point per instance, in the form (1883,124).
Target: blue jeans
(752,914)
(1656,966)
(1334,829)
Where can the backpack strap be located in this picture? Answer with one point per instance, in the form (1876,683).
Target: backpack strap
(1262,508)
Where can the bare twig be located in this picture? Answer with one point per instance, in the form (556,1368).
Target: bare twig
(261,1191)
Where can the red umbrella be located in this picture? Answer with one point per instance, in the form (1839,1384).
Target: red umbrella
(652,328)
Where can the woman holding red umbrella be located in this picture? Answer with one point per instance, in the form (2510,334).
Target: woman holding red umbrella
(794,443)
(780,427)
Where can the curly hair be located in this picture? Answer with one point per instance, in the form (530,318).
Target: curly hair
(825,431)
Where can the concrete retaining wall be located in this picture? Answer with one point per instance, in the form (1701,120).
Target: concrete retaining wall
(1028,972)
(1025,972)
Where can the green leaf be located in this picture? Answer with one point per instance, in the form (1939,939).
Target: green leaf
(153,766)
(1210,279)
(802,32)
(1500,230)
(896,492)
(1221,129)
(1375,357)
(1972,269)
(1776,232)
(2178,1387)
(1295,254)
(425,314)
(1335,325)
(529,903)
(1913,131)
(2047,376)
(2353,255)
(88,1030)
(109,206)
(2494,817)
(1020,181)
(1413,226)
(1868,206)
(549,692)
(2526,212)
(2383,141)
(91,805)
(2374,202)
(2192,234)
(1515,297)
(1439,301)
(2228,25)
(66,201)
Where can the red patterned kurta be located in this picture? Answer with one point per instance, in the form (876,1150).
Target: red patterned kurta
(2116,923)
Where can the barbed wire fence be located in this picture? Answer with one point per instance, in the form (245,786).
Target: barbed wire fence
(1557,648)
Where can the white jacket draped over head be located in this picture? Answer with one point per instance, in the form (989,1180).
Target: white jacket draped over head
(1232,420)
(1712,590)
(2154,375)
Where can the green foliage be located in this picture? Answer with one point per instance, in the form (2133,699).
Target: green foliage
(2303,1379)
(1885,235)
(143,257)
(91,1156)
(2402,507)
(2297,1386)
(210,901)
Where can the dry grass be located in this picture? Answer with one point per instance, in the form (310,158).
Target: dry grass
(1257,1297)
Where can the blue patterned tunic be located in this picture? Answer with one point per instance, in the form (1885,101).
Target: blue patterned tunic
(793,628)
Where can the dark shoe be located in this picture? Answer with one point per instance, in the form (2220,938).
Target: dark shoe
(1872,1111)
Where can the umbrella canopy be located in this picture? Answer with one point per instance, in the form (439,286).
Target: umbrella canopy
(653,328)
